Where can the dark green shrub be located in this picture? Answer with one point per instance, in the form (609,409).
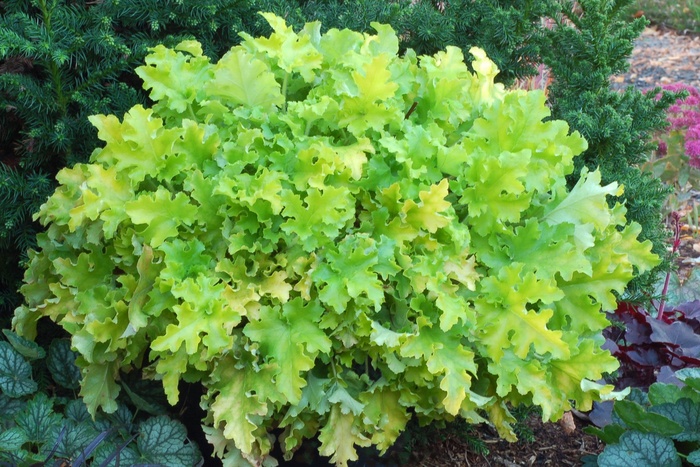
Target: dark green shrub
(61,62)
(590,43)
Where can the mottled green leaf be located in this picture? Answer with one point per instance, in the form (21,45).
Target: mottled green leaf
(164,441)
(638,418)
(15,373)
(61,363)
(12,439)
(26,348)
(694,457)
(640,450)
(9,407)
(686,413)
(38,419)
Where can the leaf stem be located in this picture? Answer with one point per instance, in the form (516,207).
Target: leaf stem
(676,226)
(335,372)
(191,113)
(284,89)
(410,111)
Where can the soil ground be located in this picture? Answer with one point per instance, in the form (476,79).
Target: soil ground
(553,445)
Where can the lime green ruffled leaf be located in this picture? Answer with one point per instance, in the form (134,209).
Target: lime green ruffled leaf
(484,90)
(99,388)
(548,250)
(203,317)
(291,338)
(102,197)
(349,273)
(384,413)
(429,213)
(174,78)
(162,214)
(495,192)
(319,216)
(587,362)
(339,437)
(638,253)
(585,206)
(292,52)
(239,400)
(242,79)
(171,366)
(506,320)
(363,109)
(138,146)
(448,360)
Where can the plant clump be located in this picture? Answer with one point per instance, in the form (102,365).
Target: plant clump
(657,427)
(333,239)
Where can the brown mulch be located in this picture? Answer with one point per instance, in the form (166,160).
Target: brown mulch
(662,56)
(555,444)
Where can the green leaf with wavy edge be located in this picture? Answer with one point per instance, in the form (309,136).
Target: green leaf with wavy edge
(242,79)
(61,364)
(175,78)
(686,413)
(291,338)
(38,420)
(15,373)
(635,449)
(164,441)
(12,439)
(25,347)
(98,387)
(638,418)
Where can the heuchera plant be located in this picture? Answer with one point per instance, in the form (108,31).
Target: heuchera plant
(658,427)
(652,349)
(332,239)
(653,344)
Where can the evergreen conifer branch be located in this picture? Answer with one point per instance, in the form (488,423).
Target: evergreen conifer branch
(617,126)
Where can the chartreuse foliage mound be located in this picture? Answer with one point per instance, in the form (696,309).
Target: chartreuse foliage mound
(332,239)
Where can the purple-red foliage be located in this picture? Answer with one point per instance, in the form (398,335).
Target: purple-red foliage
(652,349)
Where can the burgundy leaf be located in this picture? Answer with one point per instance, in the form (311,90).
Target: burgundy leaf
(677,334)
